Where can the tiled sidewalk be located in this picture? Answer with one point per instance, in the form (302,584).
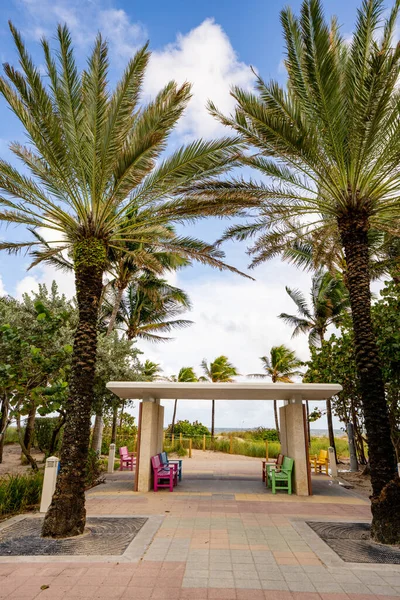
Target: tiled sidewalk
(222,537)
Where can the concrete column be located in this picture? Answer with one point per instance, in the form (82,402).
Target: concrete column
(111,459)
(49,482)
(295,445)
(150,441)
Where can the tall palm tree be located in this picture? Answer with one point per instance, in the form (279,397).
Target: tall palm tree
(220,370)
(93,172)
(186,374)
(329,302)
(328,147)
(125,268)
(280,366)
(149,307)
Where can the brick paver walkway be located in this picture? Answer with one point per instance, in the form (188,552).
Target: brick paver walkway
(223,536)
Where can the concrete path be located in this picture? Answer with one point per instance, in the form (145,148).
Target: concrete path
(222,536)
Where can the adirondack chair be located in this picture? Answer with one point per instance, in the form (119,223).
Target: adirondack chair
(163,477)
(266,464)
(126,459)
(167,462)
(320,461)
(282,479)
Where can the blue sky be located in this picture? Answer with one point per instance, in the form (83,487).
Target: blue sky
(213,45)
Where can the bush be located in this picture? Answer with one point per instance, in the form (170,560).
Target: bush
(11,436)
(258,434)
(188,429)
(19,493)
(44,428)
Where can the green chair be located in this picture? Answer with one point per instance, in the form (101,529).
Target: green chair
(282,479)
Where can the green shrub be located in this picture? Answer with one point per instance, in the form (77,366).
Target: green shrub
(188,429)
(11,436)
(44,428)
(19,493)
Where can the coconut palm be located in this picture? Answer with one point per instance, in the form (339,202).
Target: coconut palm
(186,374)
(94,176)
(219,370)
(329,302)
(280,366)
(149,307)
(329,148)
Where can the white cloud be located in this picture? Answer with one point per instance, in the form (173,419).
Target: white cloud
(204,57)
(46,274)
(3,291)
(238,318)
(84,19)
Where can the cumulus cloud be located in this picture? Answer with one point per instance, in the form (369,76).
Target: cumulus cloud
(204,57)
(84,18)
(238,318)
(3,290)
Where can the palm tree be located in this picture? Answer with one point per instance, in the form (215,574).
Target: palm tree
(280,366)
(93,173)
(329,302)
(328,147)
(149,307)
(186,374)
(125,267)
(218,371)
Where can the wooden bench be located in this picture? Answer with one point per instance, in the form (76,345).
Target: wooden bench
(282,479)
(126,459)
(265,464)
(167,462)
(320,461)
(163,476)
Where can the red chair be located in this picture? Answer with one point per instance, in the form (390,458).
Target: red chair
(126,459)
(163,476)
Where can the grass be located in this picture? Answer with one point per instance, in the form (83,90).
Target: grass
(19,493)
(11,436)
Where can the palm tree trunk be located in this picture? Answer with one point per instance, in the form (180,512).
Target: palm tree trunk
(115,309)
(276,419)
(174,417)
(212,419)
(66,515)
(385,484)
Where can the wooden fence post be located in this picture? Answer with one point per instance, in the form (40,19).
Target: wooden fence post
(230,444)
(204,443)
(172,441)
(266,450)
(190,448)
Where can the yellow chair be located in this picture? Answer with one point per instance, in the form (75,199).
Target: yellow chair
(320,461)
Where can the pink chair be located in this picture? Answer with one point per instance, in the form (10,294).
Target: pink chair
(126,459)
(161,474)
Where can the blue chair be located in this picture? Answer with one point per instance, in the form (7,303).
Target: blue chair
(166,462)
